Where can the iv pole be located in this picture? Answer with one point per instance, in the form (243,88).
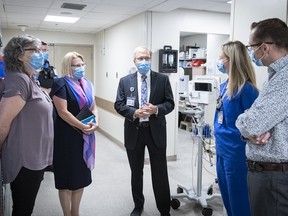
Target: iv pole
(183,192)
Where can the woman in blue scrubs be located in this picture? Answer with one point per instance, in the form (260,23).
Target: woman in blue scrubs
(237,94)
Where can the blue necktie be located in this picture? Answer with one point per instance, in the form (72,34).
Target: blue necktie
(143,90)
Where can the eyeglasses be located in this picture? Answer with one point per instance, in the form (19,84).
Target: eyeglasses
(249,47)
(79,65)
(143,58)
(35,50)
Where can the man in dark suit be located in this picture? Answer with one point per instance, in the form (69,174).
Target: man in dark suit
(144,98)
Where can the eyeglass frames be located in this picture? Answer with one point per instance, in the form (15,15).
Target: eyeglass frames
(79,65)
(249,47)
(35,50)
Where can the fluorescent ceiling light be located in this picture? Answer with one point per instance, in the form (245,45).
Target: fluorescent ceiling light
(229,2)
(63,19)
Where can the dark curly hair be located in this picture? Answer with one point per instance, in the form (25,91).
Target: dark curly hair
(14,49)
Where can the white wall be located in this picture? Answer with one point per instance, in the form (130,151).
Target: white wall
(214,42)
(199,40)
(119,43)
(166,28)
(255,10)
(150,29)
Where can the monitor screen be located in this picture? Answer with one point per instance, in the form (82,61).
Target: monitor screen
(203,86)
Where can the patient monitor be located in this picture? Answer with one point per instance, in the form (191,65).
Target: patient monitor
(201,89)
(202,92)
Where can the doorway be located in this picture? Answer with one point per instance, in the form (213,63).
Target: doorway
(58,51)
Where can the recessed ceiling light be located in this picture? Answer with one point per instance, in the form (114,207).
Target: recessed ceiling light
(229,2)
(63,19)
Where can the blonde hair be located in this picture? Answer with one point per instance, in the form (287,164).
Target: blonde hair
(240,67)
(67,63)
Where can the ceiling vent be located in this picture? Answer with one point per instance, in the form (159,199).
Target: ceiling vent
(73,6)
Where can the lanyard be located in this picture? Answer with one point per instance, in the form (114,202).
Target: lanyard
(221,97)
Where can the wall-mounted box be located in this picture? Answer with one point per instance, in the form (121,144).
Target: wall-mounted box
(168,60)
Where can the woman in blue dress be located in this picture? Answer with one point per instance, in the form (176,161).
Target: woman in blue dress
(237,94)
(74,140)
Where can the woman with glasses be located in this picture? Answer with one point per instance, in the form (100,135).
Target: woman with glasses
(237,94)
(74,141)
(26,123)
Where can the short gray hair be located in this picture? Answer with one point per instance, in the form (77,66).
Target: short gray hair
(16,48)
(141,49)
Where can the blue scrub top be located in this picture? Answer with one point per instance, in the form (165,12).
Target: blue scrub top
(228,138)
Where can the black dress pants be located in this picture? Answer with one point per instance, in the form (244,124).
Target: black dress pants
(268,193)
(24,191)
(159,172)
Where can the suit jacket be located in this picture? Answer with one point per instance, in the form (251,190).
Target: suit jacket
(160,95)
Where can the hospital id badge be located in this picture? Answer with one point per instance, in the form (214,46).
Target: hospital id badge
(220,117)
(130,101)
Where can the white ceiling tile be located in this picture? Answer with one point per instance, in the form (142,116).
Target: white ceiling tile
(39,3)
(96,16)
(113,9)
(100,16)
(131,3)
(25,9)
(21,16)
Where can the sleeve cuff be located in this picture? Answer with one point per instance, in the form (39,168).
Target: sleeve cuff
(244,138)
(134,116)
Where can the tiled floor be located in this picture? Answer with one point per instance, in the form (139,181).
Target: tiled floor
(110,195)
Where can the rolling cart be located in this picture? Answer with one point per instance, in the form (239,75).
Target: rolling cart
(190,194)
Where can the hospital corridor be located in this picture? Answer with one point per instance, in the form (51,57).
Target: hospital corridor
(92,89)
(110,195)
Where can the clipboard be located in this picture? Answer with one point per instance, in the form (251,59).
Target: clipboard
(85,116)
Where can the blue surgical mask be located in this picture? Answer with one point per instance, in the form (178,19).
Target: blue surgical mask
(37,61)
(143,66)
(79,72)
(221,68)
(257,62)
(46,56)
